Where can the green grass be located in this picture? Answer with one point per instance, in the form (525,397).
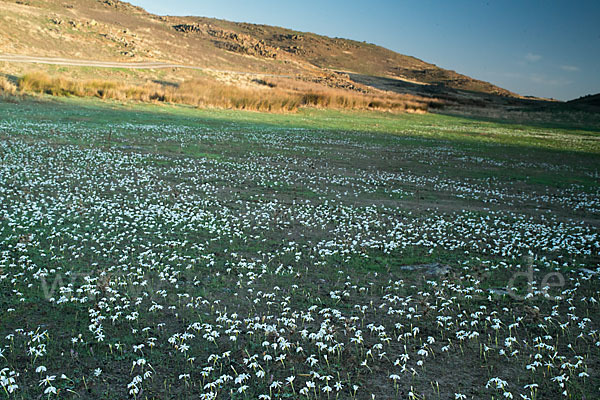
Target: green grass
(504,142)
(227,206)
(463,131)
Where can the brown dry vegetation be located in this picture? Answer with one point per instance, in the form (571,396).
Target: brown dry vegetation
(279,96)
(6,86)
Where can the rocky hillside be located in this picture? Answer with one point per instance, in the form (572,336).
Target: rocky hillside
(118,31)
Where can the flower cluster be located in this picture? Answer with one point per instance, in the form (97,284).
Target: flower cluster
(180,261)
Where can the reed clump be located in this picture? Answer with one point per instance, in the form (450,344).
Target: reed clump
(273,97)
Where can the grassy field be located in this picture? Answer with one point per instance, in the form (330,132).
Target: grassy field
(166,252)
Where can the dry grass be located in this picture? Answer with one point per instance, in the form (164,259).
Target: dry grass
(7,87)
(280,96)
(321,96)
(334,99)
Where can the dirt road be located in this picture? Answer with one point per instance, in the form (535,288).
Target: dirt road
(116,64)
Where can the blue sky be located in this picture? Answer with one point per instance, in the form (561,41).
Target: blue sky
(543,48)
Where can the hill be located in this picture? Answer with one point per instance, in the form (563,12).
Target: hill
(112,30)
(589,101)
